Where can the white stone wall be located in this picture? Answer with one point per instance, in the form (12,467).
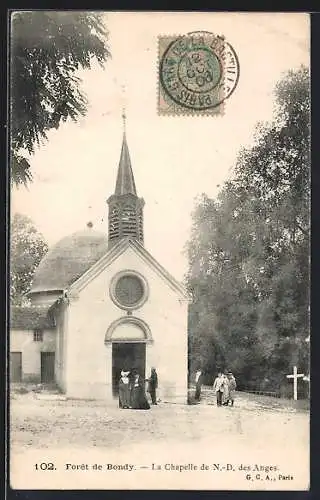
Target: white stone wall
(61,317)
(89,360)
(22,341)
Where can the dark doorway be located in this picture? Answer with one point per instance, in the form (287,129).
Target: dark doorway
(126,356)
(47,367)
(15,367)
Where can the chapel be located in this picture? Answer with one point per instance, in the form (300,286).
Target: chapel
(100,303)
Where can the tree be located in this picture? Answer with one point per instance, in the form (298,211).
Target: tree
(249,252)
(27,248)
(47,50)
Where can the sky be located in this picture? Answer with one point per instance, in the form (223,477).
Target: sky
(175,158)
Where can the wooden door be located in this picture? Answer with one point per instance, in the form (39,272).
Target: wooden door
(47,367)
(15,367)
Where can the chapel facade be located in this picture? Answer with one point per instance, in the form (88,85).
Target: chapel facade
(101,303)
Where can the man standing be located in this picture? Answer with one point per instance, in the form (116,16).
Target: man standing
(226,388)
(198,381)
(153,385)
(218,387)
(232,387)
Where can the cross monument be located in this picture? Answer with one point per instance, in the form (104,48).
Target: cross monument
(295,377)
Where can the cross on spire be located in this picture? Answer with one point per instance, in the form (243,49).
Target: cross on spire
(124,118)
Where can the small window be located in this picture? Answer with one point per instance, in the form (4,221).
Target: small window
(37,336)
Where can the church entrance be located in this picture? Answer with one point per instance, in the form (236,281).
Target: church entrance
(127,355)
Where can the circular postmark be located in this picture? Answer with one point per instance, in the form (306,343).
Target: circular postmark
(199,70)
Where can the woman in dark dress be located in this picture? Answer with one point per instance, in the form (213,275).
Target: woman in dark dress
(124,390)
(138,396)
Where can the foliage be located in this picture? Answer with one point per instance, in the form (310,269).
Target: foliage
(47,50)
(27,248)
(248,253)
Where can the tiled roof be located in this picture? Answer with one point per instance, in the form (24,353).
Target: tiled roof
(31,318)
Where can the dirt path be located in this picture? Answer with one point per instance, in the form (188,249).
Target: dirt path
(83,432)
(45,423)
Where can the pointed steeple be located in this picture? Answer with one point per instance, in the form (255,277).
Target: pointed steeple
(125,208)
(125,181)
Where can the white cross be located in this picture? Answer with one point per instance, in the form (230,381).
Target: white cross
(295,377)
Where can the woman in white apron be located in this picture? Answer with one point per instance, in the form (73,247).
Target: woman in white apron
(124,390)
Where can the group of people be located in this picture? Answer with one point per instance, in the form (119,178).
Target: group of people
(132,389)
(132,392)
(224,386)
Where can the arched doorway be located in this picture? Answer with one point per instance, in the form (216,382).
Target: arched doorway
(128,336)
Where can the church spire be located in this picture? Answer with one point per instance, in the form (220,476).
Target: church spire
(125,181)
(125,208)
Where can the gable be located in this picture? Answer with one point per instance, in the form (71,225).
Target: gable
(134,254)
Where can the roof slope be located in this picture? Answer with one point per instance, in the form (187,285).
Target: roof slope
(31,318)
(68,260)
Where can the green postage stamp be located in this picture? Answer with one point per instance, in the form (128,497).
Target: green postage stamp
(197,73)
